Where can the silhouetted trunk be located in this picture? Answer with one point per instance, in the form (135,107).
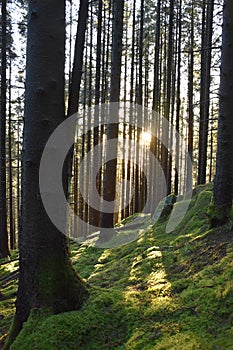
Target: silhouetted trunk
(107,219)
(95,214)
(78,58)
(178,101)
(138,131)
(223,182)
(207,24)
(76,76)
(165,160)
(190,105)
(11,209)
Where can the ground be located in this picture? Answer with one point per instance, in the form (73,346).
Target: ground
(162,291)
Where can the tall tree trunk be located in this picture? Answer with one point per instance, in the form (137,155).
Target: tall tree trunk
(107,219)
(11,209)
(47,278)
(4,248)
(190,104)
(178,100)
(88,134)
(76,76)
(223,182)
(207,24)
(95,213)
(78,58)
(165,161)
(137,207)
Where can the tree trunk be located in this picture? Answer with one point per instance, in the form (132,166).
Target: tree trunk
(223,182)
(47,278)
(75,82)
(4,248)
(178,100)
(10,179)
(190,105)
(165,160)
(207,24)
(107,219)
(94,213)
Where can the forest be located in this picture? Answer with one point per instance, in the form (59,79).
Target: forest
(116,175)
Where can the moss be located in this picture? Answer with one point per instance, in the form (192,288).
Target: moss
(64,291)
(219,214)
(7,296)
(163,291)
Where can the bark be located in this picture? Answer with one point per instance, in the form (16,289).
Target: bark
(223,182)
(47,278)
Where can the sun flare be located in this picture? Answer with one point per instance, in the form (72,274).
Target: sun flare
(146,137)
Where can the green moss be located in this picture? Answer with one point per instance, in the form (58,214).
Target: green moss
(7,296)
(219,214)
(163,291)
(64,291)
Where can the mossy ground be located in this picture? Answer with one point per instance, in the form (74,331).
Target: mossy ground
(7,296)
(163,291)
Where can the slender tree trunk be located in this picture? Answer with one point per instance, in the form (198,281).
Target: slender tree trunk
(11,209)
(4,248)
(88,134)
(47,278)
(107,219)
(178,101)
(165,164)
(78,58)
(190,104)
(137,207)
(207,24)
(95,214)
(76,76)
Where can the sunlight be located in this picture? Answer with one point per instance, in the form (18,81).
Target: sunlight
(146,137)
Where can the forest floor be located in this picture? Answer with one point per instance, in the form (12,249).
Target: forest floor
(162,291)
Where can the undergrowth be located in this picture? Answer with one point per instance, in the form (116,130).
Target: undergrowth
(163,291)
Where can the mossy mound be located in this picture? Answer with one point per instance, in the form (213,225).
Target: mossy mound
(163,291)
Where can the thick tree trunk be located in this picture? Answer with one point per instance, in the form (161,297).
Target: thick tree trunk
(4,248)
(47,278)
(223,182)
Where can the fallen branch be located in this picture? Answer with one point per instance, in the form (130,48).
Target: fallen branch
(8,261)
(13,275)
(7,297)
